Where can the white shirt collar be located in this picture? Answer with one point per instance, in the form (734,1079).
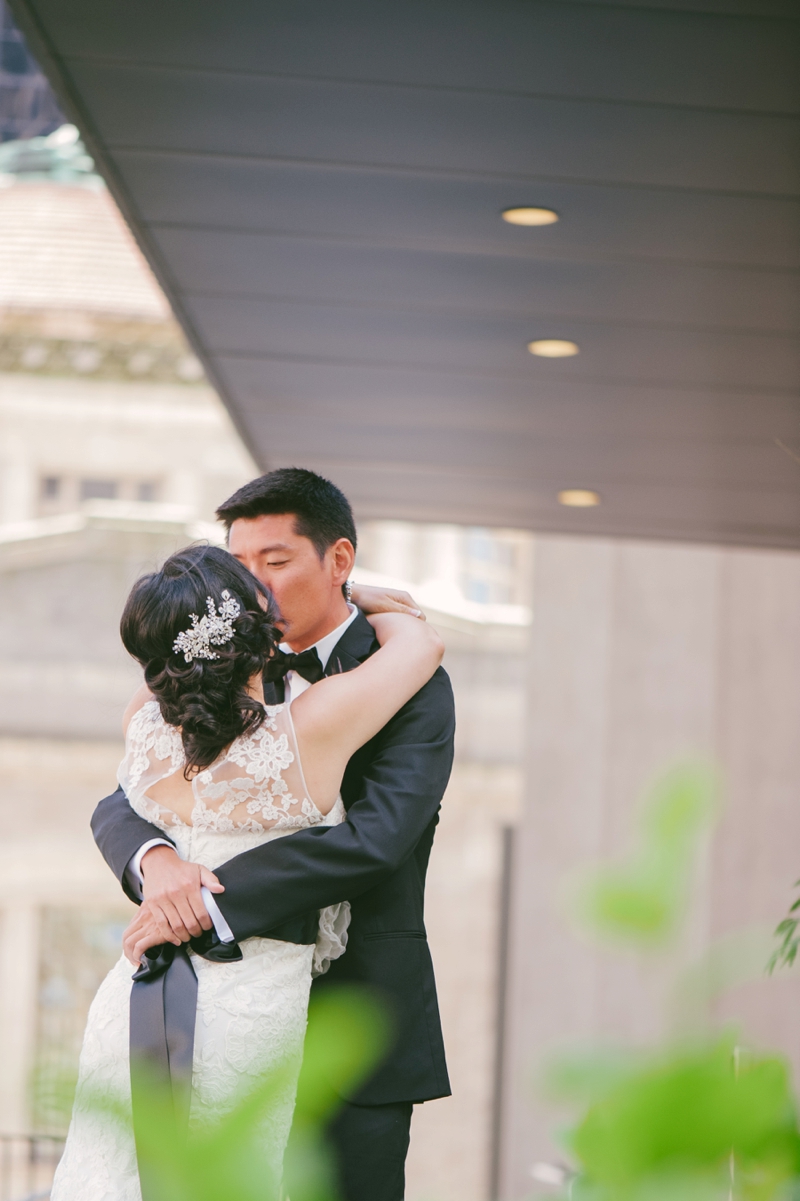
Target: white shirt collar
(325,646)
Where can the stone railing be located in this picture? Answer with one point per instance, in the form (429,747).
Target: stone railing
(27,1165)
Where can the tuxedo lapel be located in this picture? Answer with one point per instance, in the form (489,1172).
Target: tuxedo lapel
(356,644)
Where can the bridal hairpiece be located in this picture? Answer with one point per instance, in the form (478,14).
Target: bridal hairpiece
(215,628)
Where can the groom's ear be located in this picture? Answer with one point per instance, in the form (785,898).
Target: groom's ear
(343,557)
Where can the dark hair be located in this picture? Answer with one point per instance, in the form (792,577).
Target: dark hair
(206,699)
(322,511)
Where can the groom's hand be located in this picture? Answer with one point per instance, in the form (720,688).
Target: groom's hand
(143,933)
(172,897)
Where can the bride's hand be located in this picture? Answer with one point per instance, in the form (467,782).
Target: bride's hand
(384,600)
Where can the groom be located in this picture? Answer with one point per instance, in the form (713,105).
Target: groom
(294,530)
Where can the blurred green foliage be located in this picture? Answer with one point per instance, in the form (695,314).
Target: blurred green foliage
(347,1031)
(642,901)
(785,953)
(51,1092)
(689,1119)
(684,1120)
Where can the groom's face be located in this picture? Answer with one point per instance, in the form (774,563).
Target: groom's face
(308,589)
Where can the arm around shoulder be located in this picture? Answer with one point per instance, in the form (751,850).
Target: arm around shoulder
(408,774)
(343,712)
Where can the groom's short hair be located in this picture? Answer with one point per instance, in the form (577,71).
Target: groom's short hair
(321,510)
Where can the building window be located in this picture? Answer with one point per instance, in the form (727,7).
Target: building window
(98,489)
(147,491)
(480,591)
(480,546)
(490,571)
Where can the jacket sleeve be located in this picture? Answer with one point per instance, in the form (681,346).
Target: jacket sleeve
(119,832)
(408,766)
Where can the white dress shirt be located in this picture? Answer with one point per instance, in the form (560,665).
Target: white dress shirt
(294,685)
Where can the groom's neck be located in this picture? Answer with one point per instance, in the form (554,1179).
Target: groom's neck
(328,621)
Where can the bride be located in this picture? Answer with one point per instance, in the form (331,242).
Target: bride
(209,762)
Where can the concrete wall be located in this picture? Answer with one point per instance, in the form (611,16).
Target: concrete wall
(641,654)
(63,669)
(176,436)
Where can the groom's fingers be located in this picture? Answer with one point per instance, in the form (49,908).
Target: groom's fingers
(210,881)
(163,917)
(180,917)
(188,915)
(157,917)
(200,917)
(172,885)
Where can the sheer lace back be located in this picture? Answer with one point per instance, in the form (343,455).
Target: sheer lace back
(257,784)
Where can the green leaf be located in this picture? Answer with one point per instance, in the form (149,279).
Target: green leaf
(685,1112)
(226,1159)
(584,1076)
(641,902)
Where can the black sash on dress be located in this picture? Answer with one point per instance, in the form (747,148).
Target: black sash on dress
(163,1012)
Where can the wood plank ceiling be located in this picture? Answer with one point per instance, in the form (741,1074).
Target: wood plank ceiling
(319,187)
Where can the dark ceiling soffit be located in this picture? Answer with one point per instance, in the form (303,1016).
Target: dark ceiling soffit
(49,61)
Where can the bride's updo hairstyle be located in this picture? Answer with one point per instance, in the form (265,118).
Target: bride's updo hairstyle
(207,698)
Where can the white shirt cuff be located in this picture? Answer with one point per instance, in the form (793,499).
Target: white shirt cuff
(224,932)
(133,872)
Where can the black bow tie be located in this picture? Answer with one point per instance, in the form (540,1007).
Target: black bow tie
(306,664)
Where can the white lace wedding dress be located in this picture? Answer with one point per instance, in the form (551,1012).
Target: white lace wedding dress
(251,1014)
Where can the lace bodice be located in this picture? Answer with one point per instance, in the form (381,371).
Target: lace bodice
(256,785)
(252,793)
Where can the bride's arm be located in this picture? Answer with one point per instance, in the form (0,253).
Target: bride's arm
(140,697)
(342,712)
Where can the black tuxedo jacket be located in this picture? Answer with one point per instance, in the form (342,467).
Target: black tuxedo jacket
(377,860)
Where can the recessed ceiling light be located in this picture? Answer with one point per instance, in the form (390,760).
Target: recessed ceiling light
(530,216)
(578,498)
(553,348)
